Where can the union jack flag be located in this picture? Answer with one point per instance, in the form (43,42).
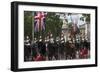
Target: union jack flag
(39,21)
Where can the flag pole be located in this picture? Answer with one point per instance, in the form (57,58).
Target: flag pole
(32,27)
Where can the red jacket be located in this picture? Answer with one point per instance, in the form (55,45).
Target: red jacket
(39,58)
(83,52)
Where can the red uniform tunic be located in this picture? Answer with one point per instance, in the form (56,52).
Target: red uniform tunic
(83,53)
(39,58)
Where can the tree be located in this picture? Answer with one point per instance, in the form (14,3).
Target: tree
(53,24)
(28,24)
(87,17)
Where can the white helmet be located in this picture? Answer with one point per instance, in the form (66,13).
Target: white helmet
(27,37)
(51,35)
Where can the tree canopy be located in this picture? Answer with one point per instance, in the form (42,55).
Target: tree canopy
(53,24)
(28,24)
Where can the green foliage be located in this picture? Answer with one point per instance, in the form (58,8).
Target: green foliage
(53,24)
(28,24)
(87,16)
